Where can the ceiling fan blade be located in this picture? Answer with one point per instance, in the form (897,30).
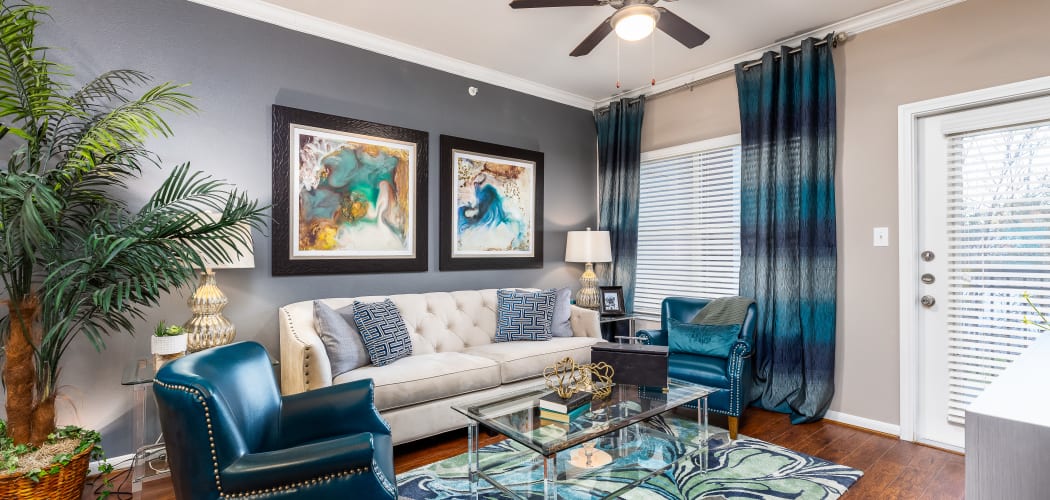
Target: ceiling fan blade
(680,29)
(531,4)
(588,44)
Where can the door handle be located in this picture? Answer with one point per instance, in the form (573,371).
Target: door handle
(927,301)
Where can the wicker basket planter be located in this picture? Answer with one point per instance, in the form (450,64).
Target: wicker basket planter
(67,484)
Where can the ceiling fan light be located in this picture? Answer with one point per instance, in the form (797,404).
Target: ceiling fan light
(635,22)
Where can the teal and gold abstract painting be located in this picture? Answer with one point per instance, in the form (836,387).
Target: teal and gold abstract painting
(494,206)
(355,195)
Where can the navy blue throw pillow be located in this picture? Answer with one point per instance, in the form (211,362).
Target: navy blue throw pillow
(524,315)
(383,331)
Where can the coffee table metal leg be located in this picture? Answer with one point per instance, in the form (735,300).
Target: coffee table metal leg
(701,415)
(472,457)
(550,477)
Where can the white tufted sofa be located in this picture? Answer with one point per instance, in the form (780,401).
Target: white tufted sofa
(454,358)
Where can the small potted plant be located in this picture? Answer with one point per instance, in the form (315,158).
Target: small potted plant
(168,343)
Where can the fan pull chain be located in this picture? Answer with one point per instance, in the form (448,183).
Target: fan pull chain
(617,62)
(652,59)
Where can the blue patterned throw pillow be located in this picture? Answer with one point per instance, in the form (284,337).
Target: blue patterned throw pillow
(383,331)
(524,315)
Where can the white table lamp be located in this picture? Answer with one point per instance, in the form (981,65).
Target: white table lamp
(208,327)
(588,247)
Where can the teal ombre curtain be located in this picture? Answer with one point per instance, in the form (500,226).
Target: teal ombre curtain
(619,161)
(787,225)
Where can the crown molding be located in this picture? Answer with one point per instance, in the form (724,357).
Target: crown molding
(857,24)
(297,21)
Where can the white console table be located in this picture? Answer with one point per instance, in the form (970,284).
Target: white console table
(1008,431)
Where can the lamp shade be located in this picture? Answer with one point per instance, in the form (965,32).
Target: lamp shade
(246,259)
(588,246)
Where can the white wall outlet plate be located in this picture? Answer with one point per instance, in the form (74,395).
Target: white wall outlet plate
(881,237)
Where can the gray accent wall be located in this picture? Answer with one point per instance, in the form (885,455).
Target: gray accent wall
(238,68)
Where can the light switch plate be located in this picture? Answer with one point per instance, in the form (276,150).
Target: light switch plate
(881,237)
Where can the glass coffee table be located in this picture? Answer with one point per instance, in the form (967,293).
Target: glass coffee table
(597,444)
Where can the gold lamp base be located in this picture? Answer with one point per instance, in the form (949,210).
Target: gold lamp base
(208,328)
(588,296)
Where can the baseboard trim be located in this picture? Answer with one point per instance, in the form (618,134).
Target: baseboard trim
(864,423)
(119,463)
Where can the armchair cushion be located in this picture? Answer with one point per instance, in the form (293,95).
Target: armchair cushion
(255,471)
(704,340)
(383,330)
(703,370)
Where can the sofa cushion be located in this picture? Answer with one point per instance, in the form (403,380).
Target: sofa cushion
(346,351)
(426,377)
(703,370)
(384,333)
(522,360)
(524,315)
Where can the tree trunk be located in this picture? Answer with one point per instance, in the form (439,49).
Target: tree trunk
(43,420)
(19,372)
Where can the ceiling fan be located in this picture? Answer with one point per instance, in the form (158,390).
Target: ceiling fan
(633,20)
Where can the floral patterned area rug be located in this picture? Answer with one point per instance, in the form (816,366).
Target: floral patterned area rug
(745,468)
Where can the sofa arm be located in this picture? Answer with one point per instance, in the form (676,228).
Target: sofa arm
(304,361)
(331,411)
(653,337)
(584,322)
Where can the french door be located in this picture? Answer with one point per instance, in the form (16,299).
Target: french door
(983,242)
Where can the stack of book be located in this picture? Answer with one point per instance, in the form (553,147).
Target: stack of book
(553,407)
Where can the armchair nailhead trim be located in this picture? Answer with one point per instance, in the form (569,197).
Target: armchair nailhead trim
(207,419)
(306,482)
(736,366)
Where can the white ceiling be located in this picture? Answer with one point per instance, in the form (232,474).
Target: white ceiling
(532,45)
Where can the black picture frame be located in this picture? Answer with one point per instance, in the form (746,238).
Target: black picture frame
(610,301)
(283,262)
(451,146)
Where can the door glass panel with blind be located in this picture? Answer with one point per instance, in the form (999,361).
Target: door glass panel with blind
(985,189)
(688,224)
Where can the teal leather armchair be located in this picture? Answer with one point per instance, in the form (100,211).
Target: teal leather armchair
(230,434)
(732,375)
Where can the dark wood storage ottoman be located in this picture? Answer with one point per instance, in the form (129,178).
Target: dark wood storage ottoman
(637,364)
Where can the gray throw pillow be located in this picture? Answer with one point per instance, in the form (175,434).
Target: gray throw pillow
(383,331)
(346,351)
(560,325)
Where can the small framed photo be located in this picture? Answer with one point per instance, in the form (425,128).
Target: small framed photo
(611,301)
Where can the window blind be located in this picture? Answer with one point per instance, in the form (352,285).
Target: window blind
(688,228)
(998,222)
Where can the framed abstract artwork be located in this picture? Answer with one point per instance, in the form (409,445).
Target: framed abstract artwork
(491,206)
(349,196)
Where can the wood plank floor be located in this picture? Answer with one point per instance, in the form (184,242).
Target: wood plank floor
(893,469)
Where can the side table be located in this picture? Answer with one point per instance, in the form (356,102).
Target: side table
(149,462)
(612,320)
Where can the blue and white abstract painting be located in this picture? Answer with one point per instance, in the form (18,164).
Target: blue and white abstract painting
(494,204)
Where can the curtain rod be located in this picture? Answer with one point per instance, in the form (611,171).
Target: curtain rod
(839,37)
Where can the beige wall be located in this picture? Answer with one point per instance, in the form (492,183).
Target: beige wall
(969,46)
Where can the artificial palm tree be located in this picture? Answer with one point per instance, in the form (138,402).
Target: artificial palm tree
(74,258)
